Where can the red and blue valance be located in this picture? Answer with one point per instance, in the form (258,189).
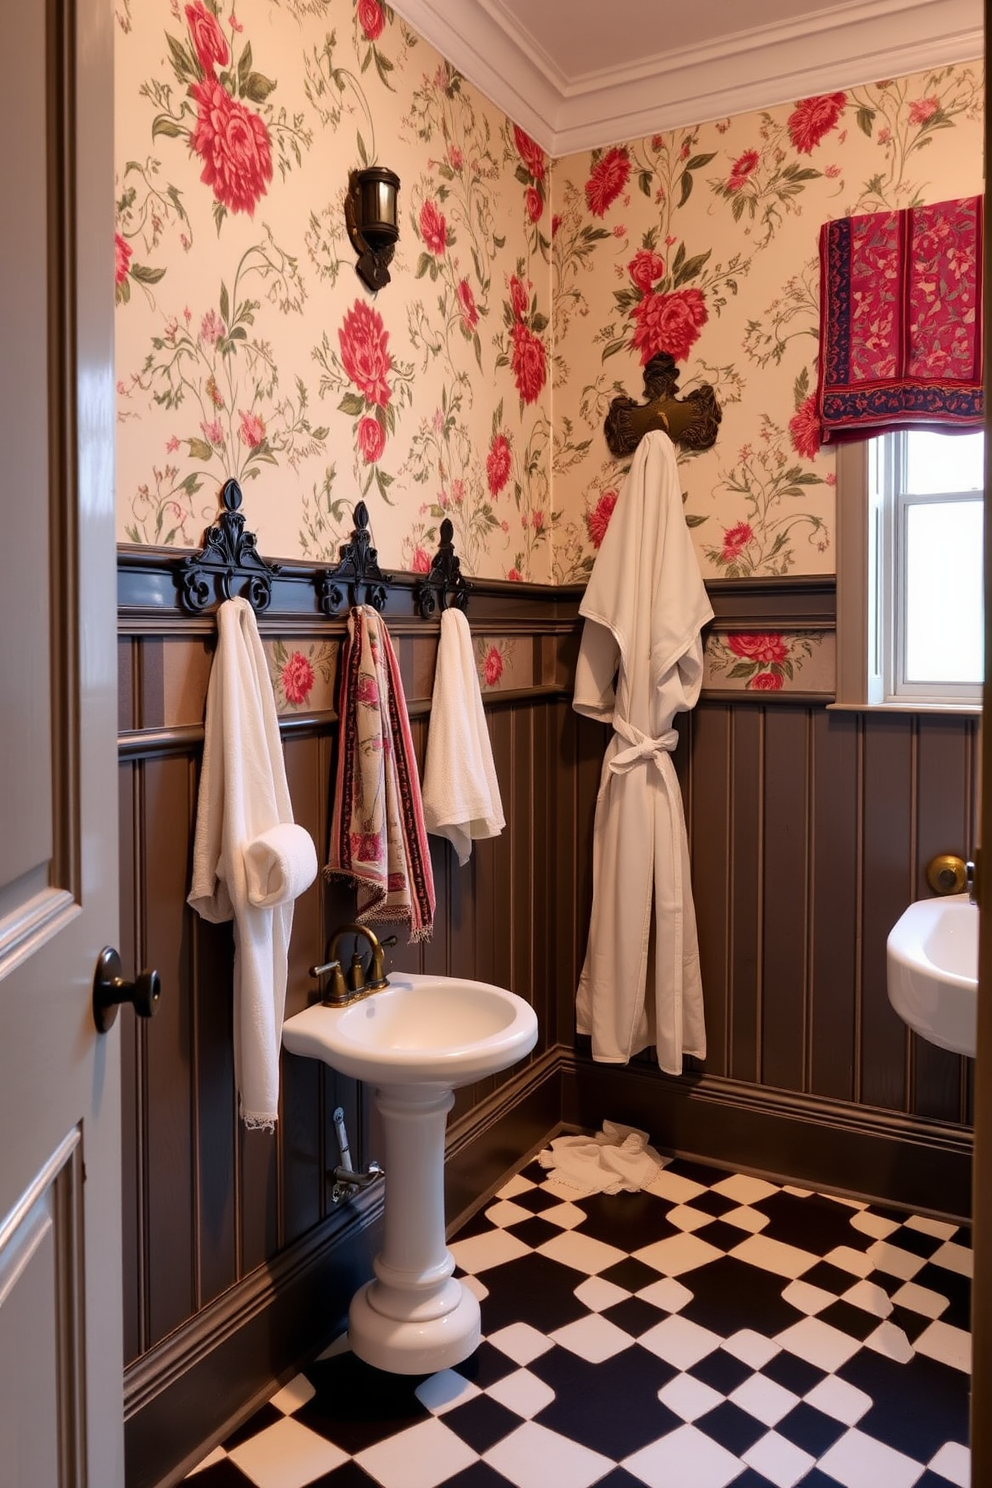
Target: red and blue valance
(901,321)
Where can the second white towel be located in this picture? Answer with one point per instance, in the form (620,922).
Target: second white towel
(461,791)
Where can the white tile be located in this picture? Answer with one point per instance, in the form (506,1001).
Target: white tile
(685,1458)
(779,1460)
(948,1345)
(677,1254)
(772,1255)
(420,1457)
(670,1295)
(217,1455)
(808,1299)
(874,1225)
(920,1299)
(845,1258)
(870,1297)
(953,1257)
(566,1216)
(848,1203)
(293,1395)
(939,1228)
(751,1348)
(818,1343)
(673,1186)
(746,1218)
(598,1295)
(522,1392)
(680,1342)
(505,1213)
(836,1398)
(444,1390)
(764,1399)
(744,1189)
(518,1184)
(685,1217)
(287,1455)
(859,1461)
(798,1193)
(953,1462)
(689,1398)
(890,1340)
(481,1252)
(593,1338)
(476,1287)
(893,1260)
(534,1457)
(581,1252)
(520,1342)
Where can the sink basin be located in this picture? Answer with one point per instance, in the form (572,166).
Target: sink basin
(932,966)
(421,1030)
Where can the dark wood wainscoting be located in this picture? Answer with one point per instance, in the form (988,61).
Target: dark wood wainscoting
(809,831)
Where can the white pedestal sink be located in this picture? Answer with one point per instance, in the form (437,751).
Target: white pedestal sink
(416,1042)
(932,969)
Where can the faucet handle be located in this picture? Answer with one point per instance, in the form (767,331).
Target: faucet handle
(337,992)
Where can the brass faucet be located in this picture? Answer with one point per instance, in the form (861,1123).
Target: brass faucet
(344,990)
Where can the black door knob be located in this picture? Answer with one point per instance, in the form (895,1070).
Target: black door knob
(110,990)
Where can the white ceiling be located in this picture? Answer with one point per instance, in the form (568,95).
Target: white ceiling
(577,74)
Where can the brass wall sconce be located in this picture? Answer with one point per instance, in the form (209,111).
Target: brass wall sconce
(370,210)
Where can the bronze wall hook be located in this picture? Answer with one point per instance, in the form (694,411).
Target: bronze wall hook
(692,421)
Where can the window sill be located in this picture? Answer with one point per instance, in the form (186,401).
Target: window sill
(967,709)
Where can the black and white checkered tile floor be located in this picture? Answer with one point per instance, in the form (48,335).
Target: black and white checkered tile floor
(713,1329)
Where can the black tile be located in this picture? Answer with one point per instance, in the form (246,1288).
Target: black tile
(536,1200)
(697,1172)
(356,1406)
(222,1475)
(486,1366)
(532,1289)
(611,1407)
(792,1373)
(953,1286)
(534,1231)
(855,1321)
(348,1475)
(633,1316)
(732,1427)
(713,1203)
(721,1371)
(725,1237)
(917,1406)
(481,1422)
(729,1295)
(815,1224)
(912,1323)
(916,1241)
(810,1429)
(618,1478)
(834,1278)
(632,1275)
(266,1415)
(930,1480)
(481,1475)
(624,1219)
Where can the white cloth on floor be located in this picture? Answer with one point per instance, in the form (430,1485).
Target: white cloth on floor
(280,865)
(616,1160)
(640,662)
(461,790)
(244,795)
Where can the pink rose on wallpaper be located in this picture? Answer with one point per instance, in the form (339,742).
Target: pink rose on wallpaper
(233,144)
(122,257)
(371,19)
(598,519)
(208,38)
(252,430)
(735,540)
(455,157)
(533,203)
(923,109)
(433,229)
(607,179)
(467,305)
(498,463)
(669,322)
(514,575)
(645,268)
(364,341)
(297,678)
(804,428)
(765,646)
(371,439)
(492,667)
(812,118)
(211,328)
(519,298)
(421,562)
(528,362)
(212,432)
(530,153)
(766,682)
(741,169)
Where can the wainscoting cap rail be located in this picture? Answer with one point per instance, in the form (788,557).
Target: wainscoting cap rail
(227,556)
(358,577)
(445,578)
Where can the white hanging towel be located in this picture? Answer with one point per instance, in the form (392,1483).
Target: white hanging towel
(640,662)
(461,791)
(250,860)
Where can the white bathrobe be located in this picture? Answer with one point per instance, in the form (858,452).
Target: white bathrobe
(640,663)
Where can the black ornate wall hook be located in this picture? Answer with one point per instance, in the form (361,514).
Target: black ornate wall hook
(358,577)
(228,556)
(445,578)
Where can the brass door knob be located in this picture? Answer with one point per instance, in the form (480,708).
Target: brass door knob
(947,874)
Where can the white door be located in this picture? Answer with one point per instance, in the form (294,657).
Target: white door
(61,1369)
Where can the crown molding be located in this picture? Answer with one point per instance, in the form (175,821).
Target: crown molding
(838,47)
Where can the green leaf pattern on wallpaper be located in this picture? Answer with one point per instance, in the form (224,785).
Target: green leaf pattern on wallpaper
(247,346)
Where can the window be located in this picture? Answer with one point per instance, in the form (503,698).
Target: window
(910,572)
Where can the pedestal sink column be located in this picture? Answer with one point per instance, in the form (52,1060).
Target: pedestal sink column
(414,1317)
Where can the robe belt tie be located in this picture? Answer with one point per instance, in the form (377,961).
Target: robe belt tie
(641,747)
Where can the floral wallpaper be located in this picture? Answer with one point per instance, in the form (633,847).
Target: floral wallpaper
(525,293)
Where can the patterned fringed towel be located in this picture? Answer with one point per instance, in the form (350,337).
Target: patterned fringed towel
(378,839)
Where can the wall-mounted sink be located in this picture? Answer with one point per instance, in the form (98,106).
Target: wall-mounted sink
(416,1041)
(932,967)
